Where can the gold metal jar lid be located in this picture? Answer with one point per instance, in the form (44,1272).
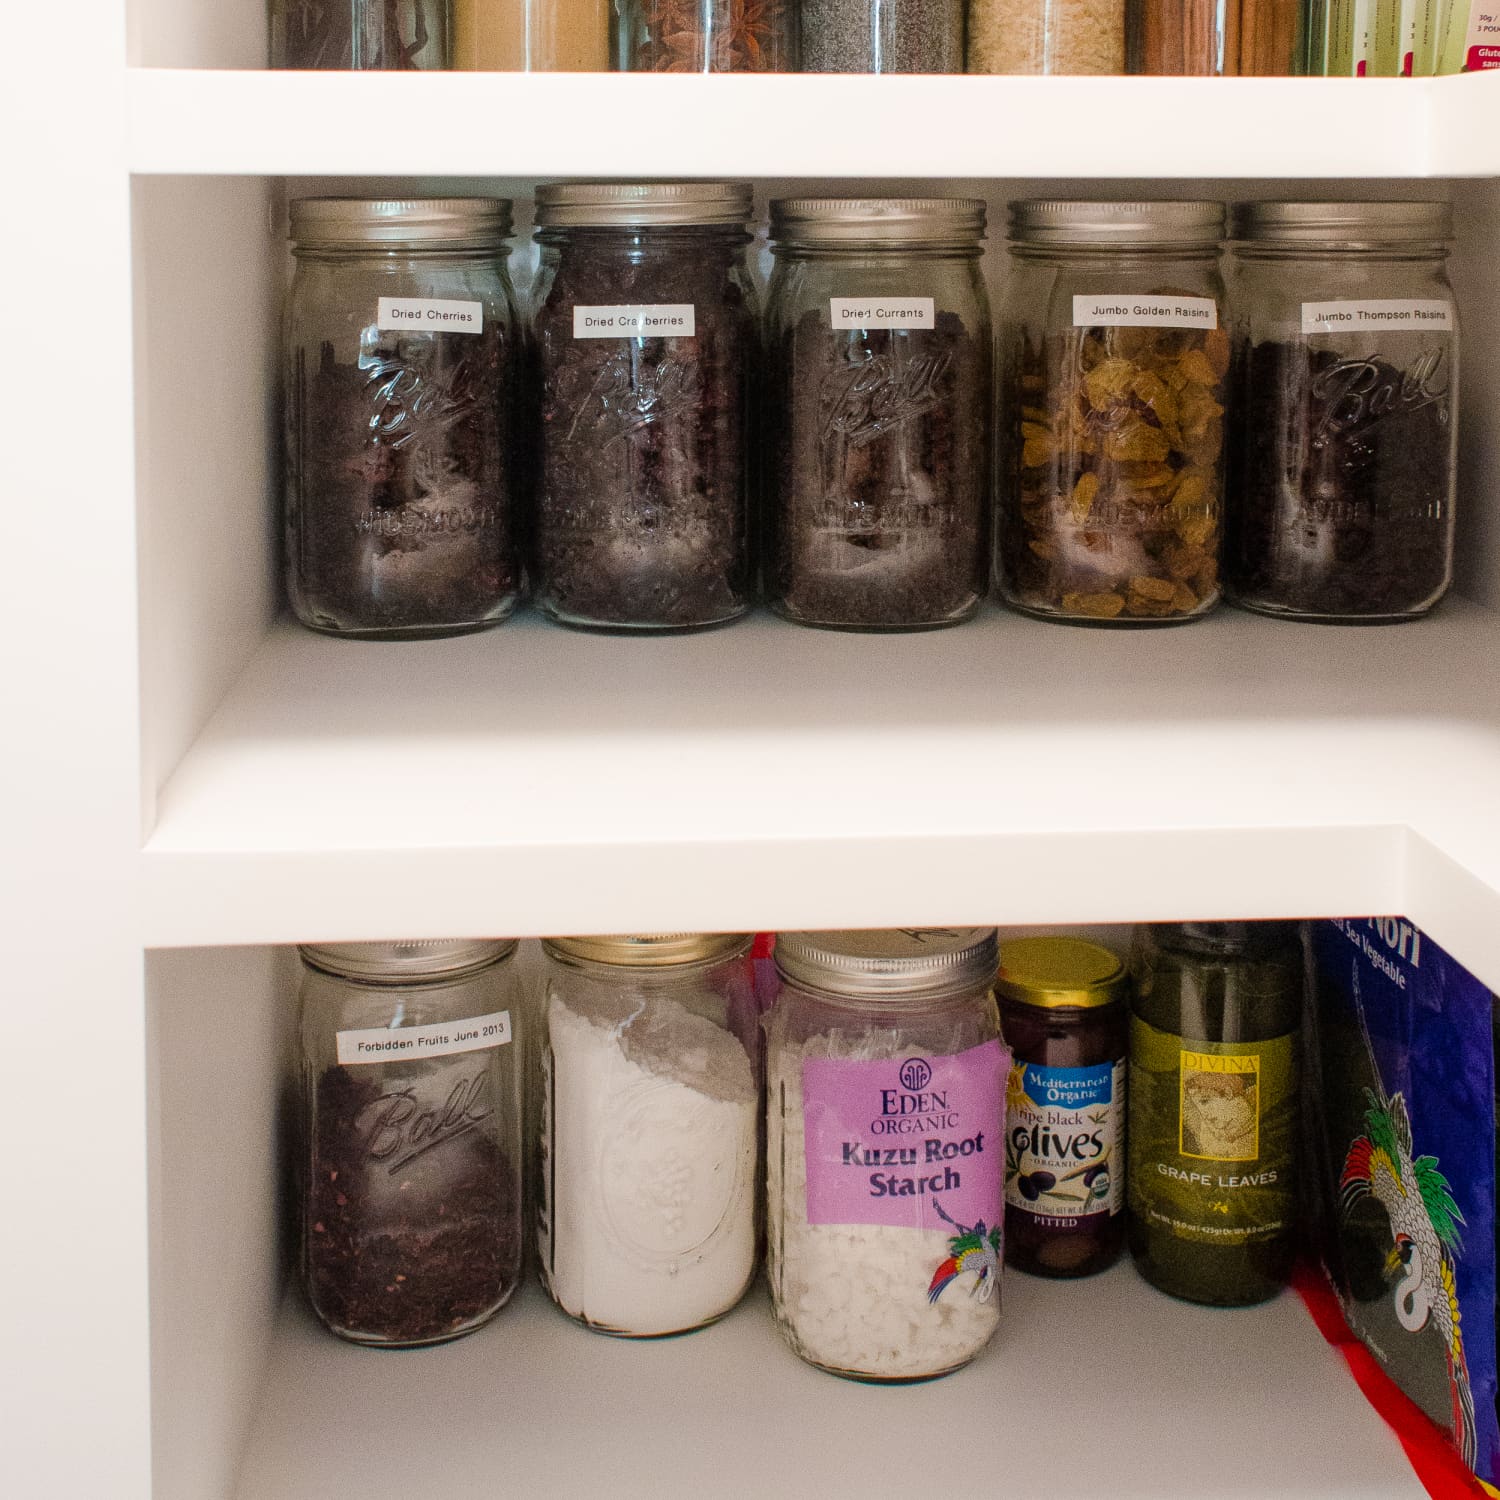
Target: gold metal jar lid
(650,950)
(626,205)
(889,964)
(866,222)
(1060,973)
(419,959)
(324,223)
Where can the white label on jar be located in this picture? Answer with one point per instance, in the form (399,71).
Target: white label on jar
(441,1039)
(882,312)
(429,315)
(635,320)
(1377,315)
(1131,310)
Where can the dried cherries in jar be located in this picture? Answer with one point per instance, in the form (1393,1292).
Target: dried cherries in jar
(1114,367)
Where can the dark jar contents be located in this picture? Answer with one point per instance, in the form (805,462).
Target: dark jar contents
(645,341)
(387,35)
(707,36)
(879,390)
(1064,1014)
(1346,368)
(400,470)
(882,36)
(411,1212)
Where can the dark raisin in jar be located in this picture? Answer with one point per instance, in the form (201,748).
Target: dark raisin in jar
(1062,1006)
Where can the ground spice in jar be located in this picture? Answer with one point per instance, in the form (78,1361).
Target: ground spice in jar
(882,36)
(1046,36)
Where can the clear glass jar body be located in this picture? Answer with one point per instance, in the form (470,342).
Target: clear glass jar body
(531,36)
(649,1126)
(642,508)
(870,1289)
(706,36)
(400,466)
(882,36)
(1111,438)
(1344,463)
(410,1209)
(1217,37)
(1046,36)
(878,439)
(358,34)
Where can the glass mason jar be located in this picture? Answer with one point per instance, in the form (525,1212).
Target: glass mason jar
(885,1123)
(650,1126)
(1111,425)
(1217,37)
(411,1187)
(1046,36)
(877,412)
(1064,1010)
(1346,378)
(400,366)
(531,36)
(359,34)
(645,328)
(706,36)
(1214,1101)
(882,36)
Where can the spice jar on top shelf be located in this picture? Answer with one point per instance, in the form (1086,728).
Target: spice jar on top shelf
(1111,427)
(707,36)
(531,36)
(1046,36)
(387,35)
(882,36)
(1250,38)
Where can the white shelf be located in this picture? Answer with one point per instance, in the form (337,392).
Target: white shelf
(1100,1388)
(533,125)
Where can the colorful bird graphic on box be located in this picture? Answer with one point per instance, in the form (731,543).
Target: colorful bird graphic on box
(1425,1220)
(971,1249)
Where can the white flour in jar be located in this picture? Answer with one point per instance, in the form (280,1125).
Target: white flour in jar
(647,1222)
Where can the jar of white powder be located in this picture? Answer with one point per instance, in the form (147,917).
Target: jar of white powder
(885,1137)
(650,1108)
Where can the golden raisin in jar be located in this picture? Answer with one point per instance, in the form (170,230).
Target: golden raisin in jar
(1062,1007)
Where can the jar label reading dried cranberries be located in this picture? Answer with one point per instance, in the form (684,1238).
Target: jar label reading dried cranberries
(1155,310)
(1378,315)
(429,315)
(1064,1130)
(442,1039)
(912,1141)
(882,312)
(653,320)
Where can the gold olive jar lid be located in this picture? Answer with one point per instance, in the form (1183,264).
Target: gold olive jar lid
(650,950)
(1060,973)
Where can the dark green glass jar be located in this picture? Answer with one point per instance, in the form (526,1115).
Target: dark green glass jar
(1216,1011)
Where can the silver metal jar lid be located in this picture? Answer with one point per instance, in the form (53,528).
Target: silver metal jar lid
(888,221)
(1339,224)
(650,950)
(1066,221)
(626,205)
(890,963)
(436,958)
(459,222)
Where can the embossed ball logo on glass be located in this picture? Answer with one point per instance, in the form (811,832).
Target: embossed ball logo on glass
(915,1075)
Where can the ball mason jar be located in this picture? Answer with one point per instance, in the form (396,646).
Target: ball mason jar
(885,1149)
(410,1210)
(1346,388)
(650,1107)
(877,412)
(1114,355)
(645,334)
(400,373)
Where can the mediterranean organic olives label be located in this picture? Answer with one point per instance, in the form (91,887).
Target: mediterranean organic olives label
(1378,315)
(910,1141)
(441,1039)
(429,315)
(1064,1137)
(882,312)
(650,320)
(1212,1128)
(1154,310)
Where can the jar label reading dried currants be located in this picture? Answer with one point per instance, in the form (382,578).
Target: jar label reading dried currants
(429,314)
(1378,315)
(633,320)
(910,1141)
(1132,310)
(882,312)
(442,1039)
(1064,1131)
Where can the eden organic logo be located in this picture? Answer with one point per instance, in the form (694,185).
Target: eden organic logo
(915,1074)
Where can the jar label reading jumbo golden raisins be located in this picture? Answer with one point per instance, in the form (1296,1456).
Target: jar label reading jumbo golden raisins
(1134,310)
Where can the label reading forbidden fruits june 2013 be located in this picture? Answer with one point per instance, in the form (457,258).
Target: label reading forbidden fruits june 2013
(441,1039)
(881,312)
(1379,315)
(634,320)
(1131,310)
(429,315)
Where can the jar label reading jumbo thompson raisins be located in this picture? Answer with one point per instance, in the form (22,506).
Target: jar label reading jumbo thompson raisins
(428,315)
(1378,315)
(636,320)
(1145,310)
(1063,1137)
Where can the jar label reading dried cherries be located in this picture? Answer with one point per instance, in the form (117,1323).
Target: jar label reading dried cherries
(1133,310)
(429,314)
(882,312)
(651,320)
(441,1039)
(910,1141)
(1064,1130)
(1378,315)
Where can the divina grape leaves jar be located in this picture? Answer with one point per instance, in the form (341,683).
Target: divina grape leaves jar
(884,1134)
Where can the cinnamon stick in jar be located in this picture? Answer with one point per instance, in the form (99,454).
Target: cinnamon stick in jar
(1213,37)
